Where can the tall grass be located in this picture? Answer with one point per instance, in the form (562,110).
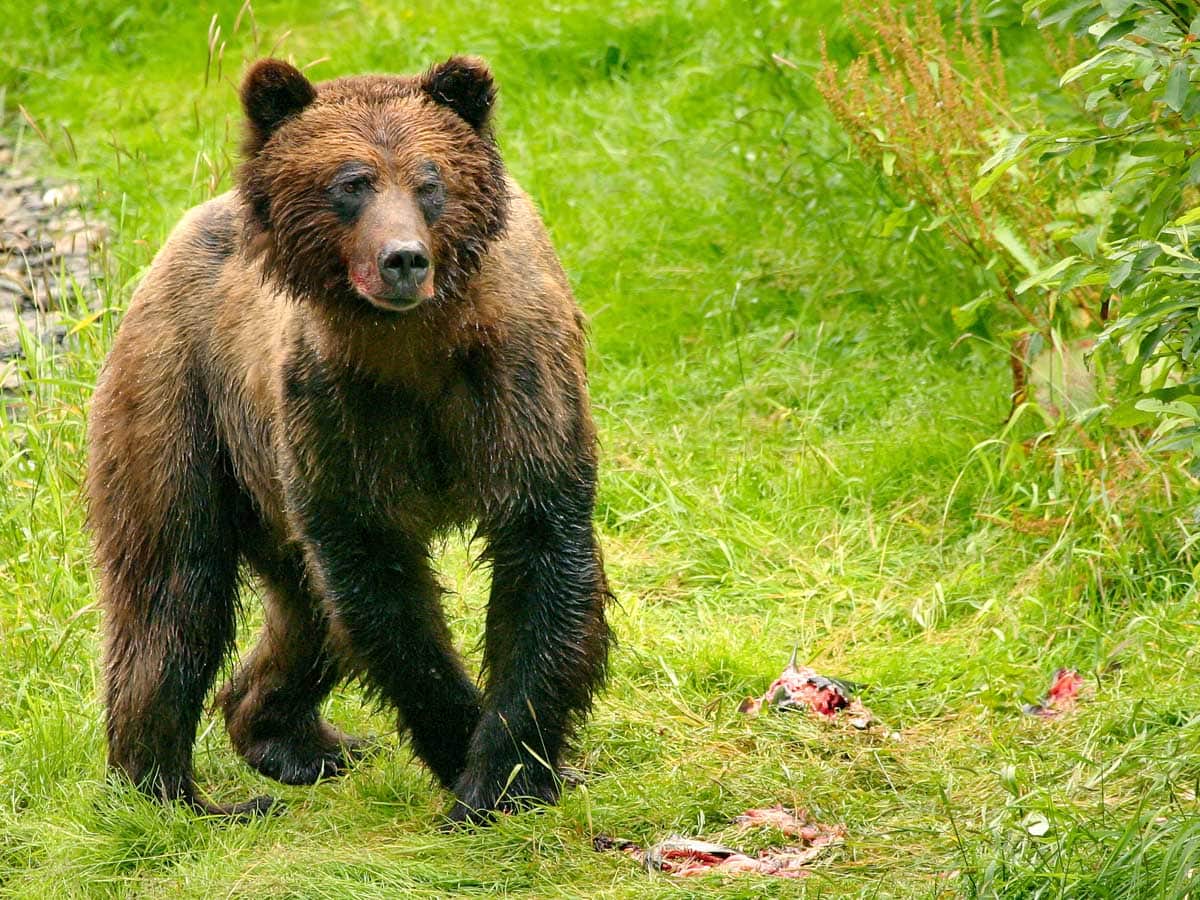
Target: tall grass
(796,453)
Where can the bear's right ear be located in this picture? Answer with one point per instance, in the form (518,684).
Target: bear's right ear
(272,92)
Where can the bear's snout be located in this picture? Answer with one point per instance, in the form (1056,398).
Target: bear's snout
(404,267)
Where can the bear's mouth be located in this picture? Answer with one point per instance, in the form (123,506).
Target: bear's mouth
(397,305)
(395,301)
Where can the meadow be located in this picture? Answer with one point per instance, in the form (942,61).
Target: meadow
(799,452)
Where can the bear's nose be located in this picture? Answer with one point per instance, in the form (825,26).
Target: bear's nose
(403,263)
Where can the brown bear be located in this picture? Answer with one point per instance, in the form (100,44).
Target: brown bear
(370,341)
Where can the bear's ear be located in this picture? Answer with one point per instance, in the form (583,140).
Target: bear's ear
(463,84)
(272,92)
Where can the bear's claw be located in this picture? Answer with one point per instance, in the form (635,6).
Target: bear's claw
(301,762)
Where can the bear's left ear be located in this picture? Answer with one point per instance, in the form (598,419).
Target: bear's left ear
(463,84)
(272,92)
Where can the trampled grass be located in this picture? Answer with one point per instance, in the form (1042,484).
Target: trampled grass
(797,452)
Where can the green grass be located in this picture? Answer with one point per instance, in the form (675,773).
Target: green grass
(796,453)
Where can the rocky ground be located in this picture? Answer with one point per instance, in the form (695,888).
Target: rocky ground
(46,255)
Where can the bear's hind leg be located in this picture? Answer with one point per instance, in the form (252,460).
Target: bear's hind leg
(161,657)
(164,511)
(272,703)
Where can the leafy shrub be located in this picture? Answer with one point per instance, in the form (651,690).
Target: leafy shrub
(932,112)
(1138,145)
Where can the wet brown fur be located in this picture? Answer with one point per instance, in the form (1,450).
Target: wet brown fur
(256,411)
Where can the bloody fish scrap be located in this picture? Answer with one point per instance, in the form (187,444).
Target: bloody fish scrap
(684,857)
(802,688)
(792,822)
(1062,696)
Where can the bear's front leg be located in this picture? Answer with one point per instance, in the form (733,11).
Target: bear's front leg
(384,598)
(545,652)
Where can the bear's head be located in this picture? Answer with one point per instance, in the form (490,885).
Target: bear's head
(374,193)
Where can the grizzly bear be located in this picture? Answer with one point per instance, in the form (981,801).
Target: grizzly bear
(365,344)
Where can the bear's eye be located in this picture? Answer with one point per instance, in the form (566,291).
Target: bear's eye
(348,191)
(432,197)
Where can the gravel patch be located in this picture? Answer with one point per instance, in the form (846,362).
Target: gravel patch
(47,246)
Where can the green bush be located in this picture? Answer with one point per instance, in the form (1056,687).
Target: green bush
(1131,155)
(927,103)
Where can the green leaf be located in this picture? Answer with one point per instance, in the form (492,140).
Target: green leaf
(1158,30)
(1155,216)
(1128,415)
(1150,343)
(897,218)
(1084,273)
(1120,272)
(1115,118)
(1076,72)
(1178,85)
(1191,109)
(1088,239)
(1062,149)
(1006,154)
(1008,239)
(1034,346)
(1115,33)
(997,165)
(889,163)
(1156,148)
(1185,392)
(1046,274)
(1187,266)
(968,314)
(1181,439)
(1094,98)
(935,223)
(1173,408)
(1190,343)
(1063,14)
(1082,158)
